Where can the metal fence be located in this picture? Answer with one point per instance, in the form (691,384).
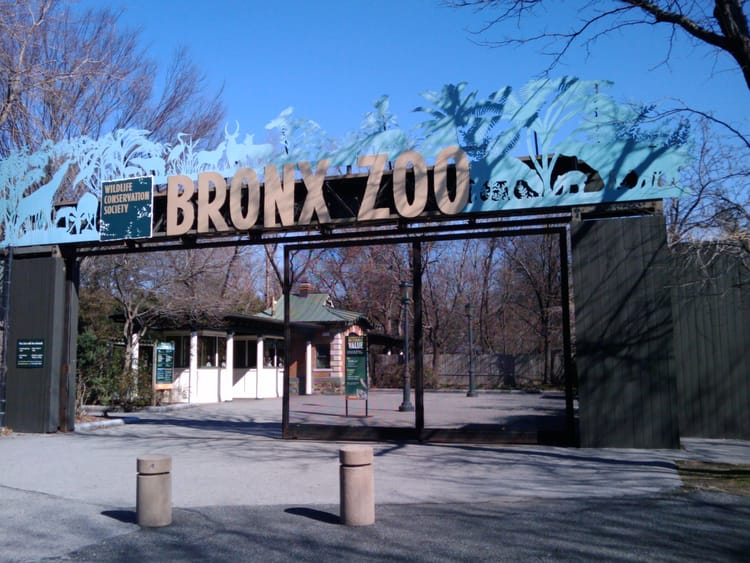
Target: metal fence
(492,371)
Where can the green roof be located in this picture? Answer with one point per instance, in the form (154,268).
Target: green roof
(313,308)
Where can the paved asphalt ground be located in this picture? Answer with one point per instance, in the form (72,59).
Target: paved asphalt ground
(242,494)
(515,410)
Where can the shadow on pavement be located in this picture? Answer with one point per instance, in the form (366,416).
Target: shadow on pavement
(319,515)
(664,528)
(561,454)
(247,427)
(124,516)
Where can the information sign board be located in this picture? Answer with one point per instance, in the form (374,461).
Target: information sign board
(164,364)
(356,380)
(30,353)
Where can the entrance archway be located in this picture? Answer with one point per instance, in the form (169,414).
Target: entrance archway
(602,386)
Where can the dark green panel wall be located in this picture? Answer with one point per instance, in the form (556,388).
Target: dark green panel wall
(623,334)
(711,300)
(68,369)
(36,312)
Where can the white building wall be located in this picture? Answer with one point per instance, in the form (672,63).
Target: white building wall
(227,371)
(193,384)
(180,386)
(224,383)
(246,383)
(260,382)
(250,385)
(206,389)
(308,368)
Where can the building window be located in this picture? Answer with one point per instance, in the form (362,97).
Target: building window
(245,354)
(206,351)
(181,351)
(273,353)
(323,356)
(212,351)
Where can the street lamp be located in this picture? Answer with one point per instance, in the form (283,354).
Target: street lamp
(405,298)
(472,392)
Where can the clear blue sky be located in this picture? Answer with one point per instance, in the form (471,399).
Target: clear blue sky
(330,59)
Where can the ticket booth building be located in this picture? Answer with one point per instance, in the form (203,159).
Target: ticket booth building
(244,359)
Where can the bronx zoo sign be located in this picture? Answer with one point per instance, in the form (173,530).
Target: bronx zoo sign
(279,197)
(552,143)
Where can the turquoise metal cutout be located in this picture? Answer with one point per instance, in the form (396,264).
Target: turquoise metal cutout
(516,142)
(618,158)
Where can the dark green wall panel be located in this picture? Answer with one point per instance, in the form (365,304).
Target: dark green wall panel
(623,334)
(711,298)
(36,312)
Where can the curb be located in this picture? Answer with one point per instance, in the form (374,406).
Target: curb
(97,409)
(124,419)
(167,408)
(99,424)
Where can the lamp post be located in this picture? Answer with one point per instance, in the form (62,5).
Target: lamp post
(406,404)
(472,392)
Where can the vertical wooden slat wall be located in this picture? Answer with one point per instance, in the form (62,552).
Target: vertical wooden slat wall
(624,340)
(38,313)
(711,298)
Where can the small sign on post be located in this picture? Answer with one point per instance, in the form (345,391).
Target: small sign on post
(356,383)
(164,365)
(127,207)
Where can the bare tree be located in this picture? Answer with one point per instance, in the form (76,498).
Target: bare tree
(719,197)
(723,29)
(132,282)
(717,207)
(202,286)
(450,282)
(709,228)
(65,74)
(302,261)
(536,296)
(175,288)
(366,280)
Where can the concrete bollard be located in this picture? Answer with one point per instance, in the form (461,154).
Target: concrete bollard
(357,487)
(153,506)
